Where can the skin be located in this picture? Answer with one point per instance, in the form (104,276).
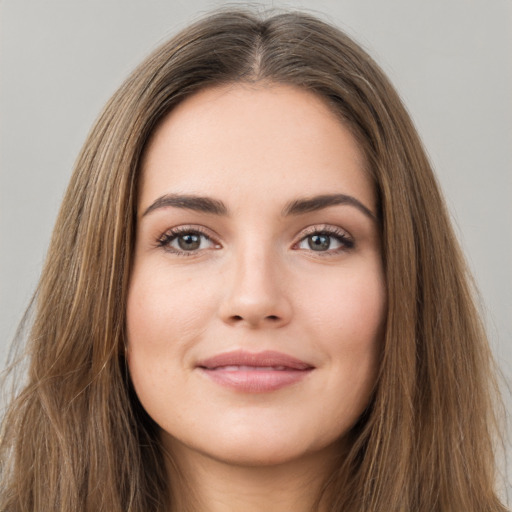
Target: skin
(255,284)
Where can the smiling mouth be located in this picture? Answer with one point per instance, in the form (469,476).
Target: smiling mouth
(248,372)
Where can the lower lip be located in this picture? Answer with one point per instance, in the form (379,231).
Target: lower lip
(256,381)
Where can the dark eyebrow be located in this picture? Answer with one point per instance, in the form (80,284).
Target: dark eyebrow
(189,202)
(310,204)
(217,207)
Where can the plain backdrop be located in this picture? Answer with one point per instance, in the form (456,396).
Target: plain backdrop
(449,59)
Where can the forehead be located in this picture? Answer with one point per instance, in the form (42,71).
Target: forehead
(248,141)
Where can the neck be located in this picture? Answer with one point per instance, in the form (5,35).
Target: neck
(202,484)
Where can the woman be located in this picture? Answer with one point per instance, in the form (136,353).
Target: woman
(253,298)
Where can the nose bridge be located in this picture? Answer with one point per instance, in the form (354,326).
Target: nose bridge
(256,295)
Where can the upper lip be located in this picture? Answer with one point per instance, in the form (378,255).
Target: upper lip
(267,358)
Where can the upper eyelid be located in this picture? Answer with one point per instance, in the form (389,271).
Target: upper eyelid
(190,228)
(322,228)
(313,228)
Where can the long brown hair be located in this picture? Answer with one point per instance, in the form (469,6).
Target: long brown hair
(76,439)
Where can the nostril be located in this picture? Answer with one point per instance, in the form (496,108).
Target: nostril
(239,318)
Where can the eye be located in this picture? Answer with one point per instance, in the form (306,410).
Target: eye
(186,241)
(330,240)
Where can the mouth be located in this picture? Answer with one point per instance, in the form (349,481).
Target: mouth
(254,372)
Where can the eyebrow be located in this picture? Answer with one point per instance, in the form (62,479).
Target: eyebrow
(297,207)
(189,202)
(315,203)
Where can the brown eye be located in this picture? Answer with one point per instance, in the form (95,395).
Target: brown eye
(186,241)
(189,241)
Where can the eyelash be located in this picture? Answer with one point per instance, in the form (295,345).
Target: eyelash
(345,240)
(172,234)
(342,237)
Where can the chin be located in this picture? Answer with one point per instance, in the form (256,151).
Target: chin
(256,447)
(259,453)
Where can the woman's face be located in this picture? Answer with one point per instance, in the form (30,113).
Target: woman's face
(257,299)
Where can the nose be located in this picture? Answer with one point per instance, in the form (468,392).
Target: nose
(256,293)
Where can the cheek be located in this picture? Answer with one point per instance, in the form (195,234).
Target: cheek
(350,307)
(165,315)
(348,326)
(163,307)
(163,318)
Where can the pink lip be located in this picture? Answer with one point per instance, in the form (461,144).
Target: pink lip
(254,373)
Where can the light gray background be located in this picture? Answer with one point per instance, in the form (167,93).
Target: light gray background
(450,60)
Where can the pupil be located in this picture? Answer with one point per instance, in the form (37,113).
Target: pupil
(189,242)
(319,242)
